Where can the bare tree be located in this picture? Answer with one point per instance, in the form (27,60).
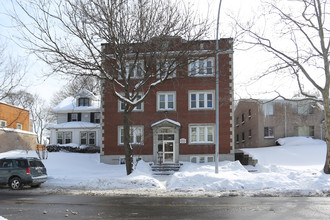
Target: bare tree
(75,84)
(68,34)
(12,72)
(40,113)
(299,41)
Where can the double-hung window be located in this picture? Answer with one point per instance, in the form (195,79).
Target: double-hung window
(64,137)
(136,135)
(135,70)
(87,137)
(166,101)
(201,100)
(201,134)
(202,67)
(166,68)
(139,107)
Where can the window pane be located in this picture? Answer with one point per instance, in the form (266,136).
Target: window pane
(201,67)
(122,135)
(170,101)
(209,67)
(210,134)
(193,134)
(162,101)
(201,134)
(83,137)
(209,101)
(193,100)
(139,70)
(201,100)
(92,138)
(192,68)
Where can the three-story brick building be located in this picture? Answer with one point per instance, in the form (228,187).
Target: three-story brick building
(176,122)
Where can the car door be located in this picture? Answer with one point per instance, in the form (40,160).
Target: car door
(6,167)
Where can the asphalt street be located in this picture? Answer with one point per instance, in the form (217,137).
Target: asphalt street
(29,205)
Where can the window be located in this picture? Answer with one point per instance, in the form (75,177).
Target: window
(67,137)
(202,159)
(203,67)
(135,70)
(243,137)
(59,137)
(83,102)
(166,101)
(166,67)
(237,121)
(250,133)
(19,126)
(95,117)
(249,113)
(136,135)
(3,123)
(243,119)
(137,108)
(87,137)
(64,137)
(269,109)
(237,138)
(74,117)
(201,134)
(201,100)
(268,132)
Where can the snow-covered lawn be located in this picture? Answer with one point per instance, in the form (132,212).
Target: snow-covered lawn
(292,169)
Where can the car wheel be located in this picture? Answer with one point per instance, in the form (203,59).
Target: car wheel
(15,183)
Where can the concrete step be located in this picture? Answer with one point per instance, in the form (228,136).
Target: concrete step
(165,169)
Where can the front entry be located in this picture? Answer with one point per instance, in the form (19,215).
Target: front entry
(166,141)
(168,151)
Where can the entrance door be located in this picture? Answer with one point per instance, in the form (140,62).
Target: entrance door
(168,151)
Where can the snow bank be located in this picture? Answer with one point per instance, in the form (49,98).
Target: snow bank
(297,141)
(291,169)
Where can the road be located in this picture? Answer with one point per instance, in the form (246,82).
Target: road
(28,205)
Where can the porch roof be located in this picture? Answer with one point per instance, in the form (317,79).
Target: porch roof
(166,120)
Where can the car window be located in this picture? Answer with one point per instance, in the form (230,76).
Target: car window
(6,163)
(21,163)
(36,163)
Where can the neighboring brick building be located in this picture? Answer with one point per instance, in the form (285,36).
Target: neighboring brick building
(259,123)
(15,129)
(178,117)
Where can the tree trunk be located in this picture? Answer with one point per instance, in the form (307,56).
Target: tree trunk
(326,168)
(127,146)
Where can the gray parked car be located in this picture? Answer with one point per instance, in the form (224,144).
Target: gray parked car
(19,171)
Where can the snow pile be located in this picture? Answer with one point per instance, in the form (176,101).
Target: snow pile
(296,168)
(2,218)
(297,141)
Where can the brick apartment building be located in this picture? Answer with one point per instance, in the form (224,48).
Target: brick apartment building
(15,129)
(259,123)
(177,119)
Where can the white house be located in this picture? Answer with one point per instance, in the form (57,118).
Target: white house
(78,121)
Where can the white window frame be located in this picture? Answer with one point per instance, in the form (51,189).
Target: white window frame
(166,94)
(133,131)
(88,134)
(199,68)
(166,68)
(205,93)
(202,159)
(202,130)
(3,123)
(139,108)
(19,126)
(139,63)
(64,135)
